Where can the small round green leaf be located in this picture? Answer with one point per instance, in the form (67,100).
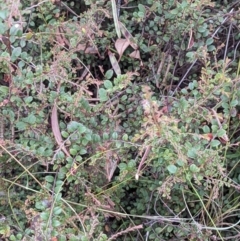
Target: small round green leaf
(103,95)
(109,74)
(170,229)
(73,151)
(180,163)
(96,138)
(172,169)
(211,48)
(125,137)
(84,142)
(206,129)
(28,99)
(31,119)
(158,230)
(201,29)
(73,126)
(233,103)
(174,11)
(3,28)
(221,133)
(108,84)
(4,89)
(21,125)
(16,53)
(44,216)
(209,41)
(194,168)
(83,151)
(215,143)
(55,223)
(78,158)
(141,8)
(14,29)
(105,136)
(141,14)
(57,210)
(49,178)
(81,128)
(4,13)
(64,134)
(114,135)
(190,54)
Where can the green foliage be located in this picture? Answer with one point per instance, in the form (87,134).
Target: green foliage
(105,138)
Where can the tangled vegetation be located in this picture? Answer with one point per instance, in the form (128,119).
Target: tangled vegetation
(119,120)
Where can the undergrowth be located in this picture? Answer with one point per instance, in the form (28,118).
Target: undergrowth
(119,120)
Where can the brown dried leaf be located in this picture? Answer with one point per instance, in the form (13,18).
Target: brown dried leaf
(81,47)
(7,78)
(191,40)
(111,165)
(114,63)
(128,36)
(136,55)
(88,50)
(91,50)
(208,136)
(121,45)
(101,69)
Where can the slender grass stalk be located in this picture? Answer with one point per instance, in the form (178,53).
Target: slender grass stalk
(115,18)
(205,209)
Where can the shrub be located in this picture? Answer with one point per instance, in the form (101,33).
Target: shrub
(119,125)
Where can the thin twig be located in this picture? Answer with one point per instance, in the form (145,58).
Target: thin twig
(36,5)
(130,229)
(226,47)
(183,78)
(146,153)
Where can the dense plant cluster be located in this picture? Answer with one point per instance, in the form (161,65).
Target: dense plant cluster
(119,120)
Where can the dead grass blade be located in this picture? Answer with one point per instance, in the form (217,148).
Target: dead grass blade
(115,18)
(56,130)
(114,63)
